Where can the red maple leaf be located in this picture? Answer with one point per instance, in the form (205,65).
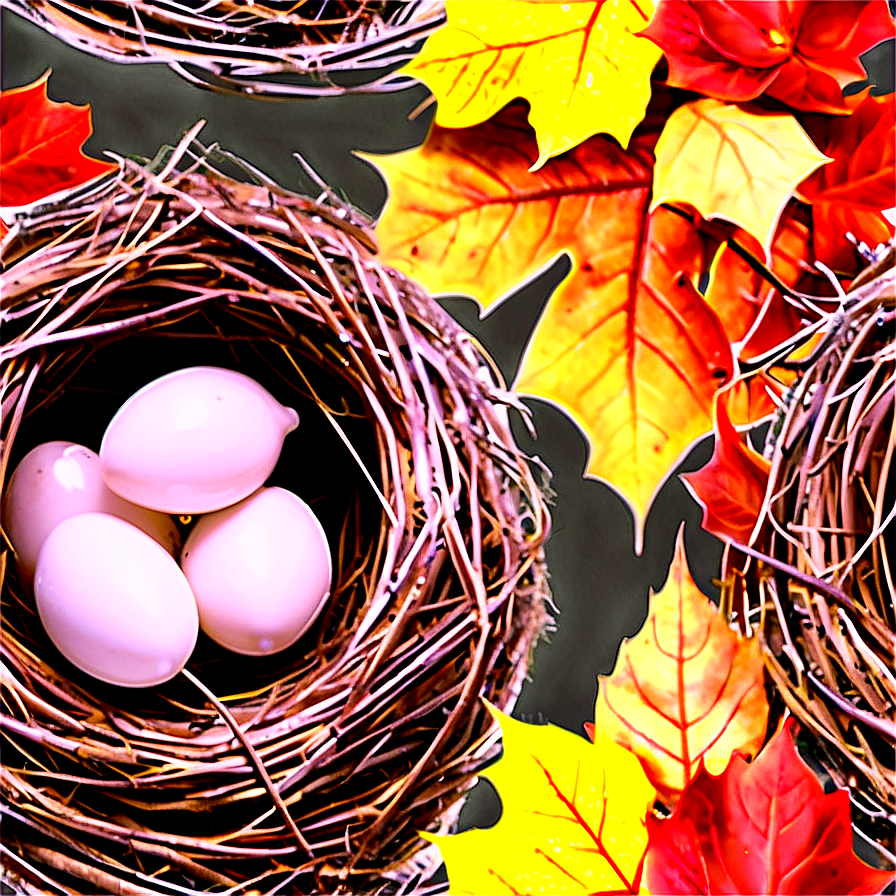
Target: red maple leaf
(760,827)
(802,52)
(40,145)
(731,487)
(849,194)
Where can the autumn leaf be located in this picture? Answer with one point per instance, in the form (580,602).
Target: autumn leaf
(801,52)
(738,294)
(631,350)
(686,689)
(581,67)
(573,819)
(465,214)
(40,145)
(762,827)
(850,194)
(754,315)
(731,487)
(753,398)
(728,162)
(757,318)
(749,399)
(626,345)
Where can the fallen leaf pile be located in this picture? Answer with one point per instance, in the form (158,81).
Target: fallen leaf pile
(644,187)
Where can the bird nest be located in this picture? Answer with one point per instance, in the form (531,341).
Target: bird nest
(274,48)
(823,585)
(314,769)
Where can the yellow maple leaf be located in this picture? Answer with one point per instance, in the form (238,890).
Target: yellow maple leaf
(573,819)
(581,66)
(626,345)
(686,688)
(728,162)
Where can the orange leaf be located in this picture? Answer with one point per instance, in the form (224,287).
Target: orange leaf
(731,487)
(626,345)
(753,398)
(40,145)
(686,689)
(737,293)
(755,315)
(766,827)
(466,215)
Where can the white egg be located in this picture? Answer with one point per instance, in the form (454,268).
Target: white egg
(260,570)
(56,480)
(114,602)
(194,441)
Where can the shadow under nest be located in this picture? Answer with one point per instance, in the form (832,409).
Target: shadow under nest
(311,770)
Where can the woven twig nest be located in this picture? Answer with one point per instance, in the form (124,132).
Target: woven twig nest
(315,768)
(274,48)
(824,591)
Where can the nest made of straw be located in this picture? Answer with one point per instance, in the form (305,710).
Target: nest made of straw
(273,48)
(312,770)
(823,585)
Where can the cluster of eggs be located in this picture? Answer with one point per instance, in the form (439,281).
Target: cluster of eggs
(95,534)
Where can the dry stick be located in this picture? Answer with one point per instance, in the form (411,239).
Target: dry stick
(19,867)
(256,759)
(19,412)
(104,329)
(387,508)
(884,636)
(888,730)
(473,683)
(96,876)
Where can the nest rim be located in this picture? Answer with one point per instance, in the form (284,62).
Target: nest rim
(246,58)
(476,599)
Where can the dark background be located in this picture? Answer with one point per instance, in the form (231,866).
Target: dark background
(599,586)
